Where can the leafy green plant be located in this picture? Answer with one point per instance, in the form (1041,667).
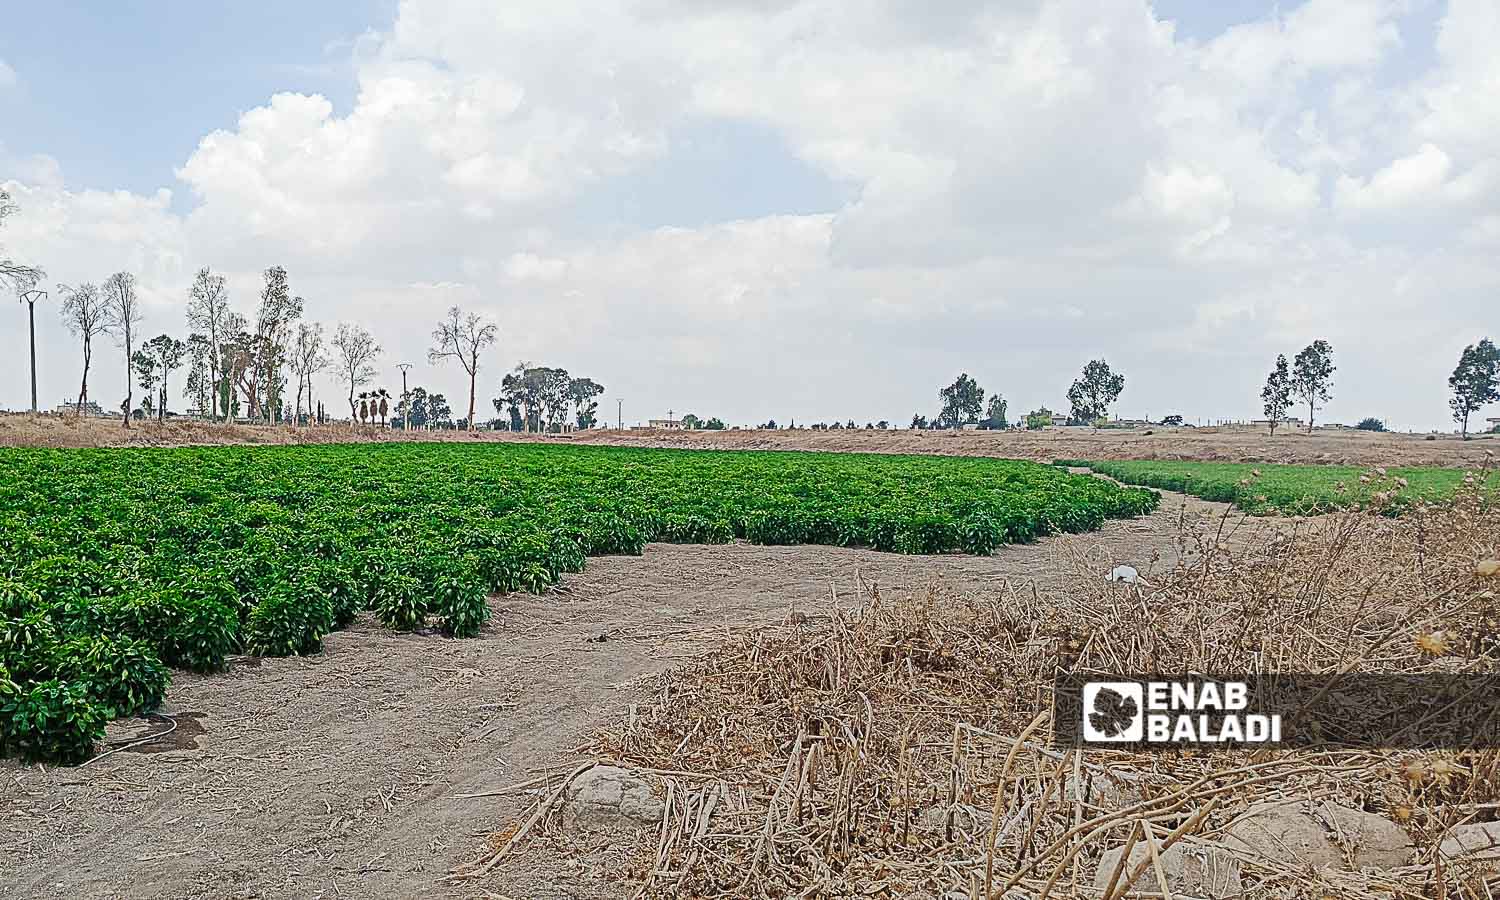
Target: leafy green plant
(29,647)
(459,599)
(291,620)
(400,603)
(124,677)
(51,721)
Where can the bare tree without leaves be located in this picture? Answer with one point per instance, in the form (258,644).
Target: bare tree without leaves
(208,313)
(18,277)
(308,358)
(86,318)
(123,313)
(461,336)
(357,351)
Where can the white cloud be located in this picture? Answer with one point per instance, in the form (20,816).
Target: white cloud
(8,76)
(1031,184)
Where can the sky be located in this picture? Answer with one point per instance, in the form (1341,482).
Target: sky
(800,210)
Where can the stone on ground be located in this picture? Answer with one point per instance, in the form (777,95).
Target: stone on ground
(1294,833)
(1475,841)
(611,797)
(1192,871)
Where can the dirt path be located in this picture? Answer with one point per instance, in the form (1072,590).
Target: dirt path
(342,775)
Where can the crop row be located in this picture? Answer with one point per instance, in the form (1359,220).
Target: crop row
(1263,488)
(118,564)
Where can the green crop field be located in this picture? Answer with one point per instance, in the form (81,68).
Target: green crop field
(118,564)
(1297,490)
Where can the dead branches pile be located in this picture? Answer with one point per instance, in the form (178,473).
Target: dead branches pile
(901,748)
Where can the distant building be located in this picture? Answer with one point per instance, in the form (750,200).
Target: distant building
(1059,419)
(664,423)
(90,409)
(1288,420)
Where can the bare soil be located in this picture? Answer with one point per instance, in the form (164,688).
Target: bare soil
(1230,444)
(346,774)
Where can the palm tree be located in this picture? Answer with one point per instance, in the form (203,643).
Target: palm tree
(385,397)
(364,406)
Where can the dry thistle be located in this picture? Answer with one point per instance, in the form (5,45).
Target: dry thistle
(1436,643)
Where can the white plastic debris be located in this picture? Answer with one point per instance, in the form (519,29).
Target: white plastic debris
(1127,574)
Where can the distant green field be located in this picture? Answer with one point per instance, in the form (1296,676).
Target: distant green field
(1297,490)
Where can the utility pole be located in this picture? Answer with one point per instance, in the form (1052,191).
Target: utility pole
(620,413)
(30,298)
(406,398)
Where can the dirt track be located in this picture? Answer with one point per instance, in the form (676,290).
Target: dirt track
(342,775)
(1238,445)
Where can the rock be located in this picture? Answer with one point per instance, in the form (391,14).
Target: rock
(1487,568)
(1195,871)
(1476,842)
(1127,574)
(611,797)
(1291,833)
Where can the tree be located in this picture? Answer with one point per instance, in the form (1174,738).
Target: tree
(438,412)
(1172,421)
(582,391)
(384,397)
(883,424)
(1038,419)
(1312,372)
(963,400)
(309,357)
(357,351)
(123,313)
(267,348)
(154,363)
(18,277)
(919,421)
(1370,424)
(208,314)
(1475,382)
(714,424)
(1276,396)
(413,408)
(995,413)
(690,422)
(84,314)
(1094,392)
(461,337)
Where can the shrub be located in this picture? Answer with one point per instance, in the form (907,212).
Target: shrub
(124,677)
(17,599)
(29,647)
(53,721)
(187,633)
(1370,424)
(460,599)
(291,620)
(400,603)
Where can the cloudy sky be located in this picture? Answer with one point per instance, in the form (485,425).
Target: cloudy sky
(789,209)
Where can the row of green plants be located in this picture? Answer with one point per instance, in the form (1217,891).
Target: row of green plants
(1264,488)
(119,565)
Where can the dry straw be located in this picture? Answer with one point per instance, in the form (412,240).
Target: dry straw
(898,749)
